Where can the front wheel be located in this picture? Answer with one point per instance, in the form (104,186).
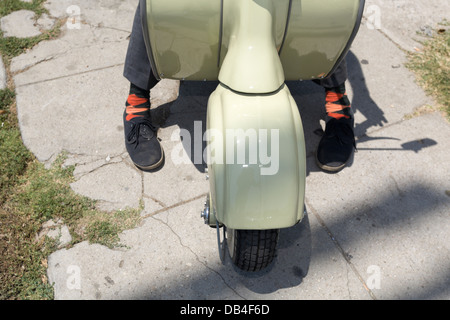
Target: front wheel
(252,250)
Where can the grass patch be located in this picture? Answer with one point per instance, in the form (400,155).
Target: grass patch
(6,99)
(104,227)
(31,195)
(41,195)
(8,6)
(14,156)
(11,47)
(23,263)
(432,67)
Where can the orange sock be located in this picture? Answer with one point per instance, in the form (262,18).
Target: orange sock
(337,103)
(138,103)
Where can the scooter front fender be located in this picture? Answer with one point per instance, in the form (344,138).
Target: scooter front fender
(256,159)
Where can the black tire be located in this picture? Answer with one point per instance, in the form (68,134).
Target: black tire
(252,250)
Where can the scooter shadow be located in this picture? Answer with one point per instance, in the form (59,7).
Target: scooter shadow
(189,110)
(289,268)
(292,259)
(310,99)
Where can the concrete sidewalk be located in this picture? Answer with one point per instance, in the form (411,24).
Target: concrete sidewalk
(379,229)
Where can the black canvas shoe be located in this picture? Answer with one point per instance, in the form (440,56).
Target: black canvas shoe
(337,145)
(141,140)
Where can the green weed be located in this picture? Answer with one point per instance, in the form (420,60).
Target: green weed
(31,194)
(432,67)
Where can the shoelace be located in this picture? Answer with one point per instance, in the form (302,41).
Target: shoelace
(134,134)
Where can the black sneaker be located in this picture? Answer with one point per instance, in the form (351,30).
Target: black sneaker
(337,145)
(141,141)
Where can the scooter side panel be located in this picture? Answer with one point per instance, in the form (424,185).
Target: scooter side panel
(318,34)
(257,159)
(183,38)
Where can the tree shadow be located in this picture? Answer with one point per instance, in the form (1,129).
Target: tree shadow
(355,228)
(362,101)
(310,99)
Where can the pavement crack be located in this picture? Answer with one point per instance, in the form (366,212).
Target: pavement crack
(197,258)
(400,192)
(102,26)
(46,59)
(344,254)
(81,175)
(97,163)
(348,283)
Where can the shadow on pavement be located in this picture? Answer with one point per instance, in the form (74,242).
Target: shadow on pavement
(383,220)
(295,245)
(189,110)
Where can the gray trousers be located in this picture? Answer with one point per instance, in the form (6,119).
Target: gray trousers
(139,71)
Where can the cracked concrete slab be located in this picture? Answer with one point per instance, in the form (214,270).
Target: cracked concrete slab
(404,22)
(72,54)
(19,24)
(77,114)
(188,267)
(377,87)
(112,14)
(115,186)
(87,164)
(393,213)
(145,270)
(46,22)
(378,83)
(189,181)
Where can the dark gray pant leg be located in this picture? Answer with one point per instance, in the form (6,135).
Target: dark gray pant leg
(337,78)
(137,65)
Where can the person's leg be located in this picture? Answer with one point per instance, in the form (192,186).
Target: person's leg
(137,65)
(338,142)
(140,135)
(338,77)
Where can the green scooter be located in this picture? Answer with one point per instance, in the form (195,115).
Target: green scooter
(256,159)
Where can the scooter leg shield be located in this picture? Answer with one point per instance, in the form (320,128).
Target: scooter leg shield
(256,159)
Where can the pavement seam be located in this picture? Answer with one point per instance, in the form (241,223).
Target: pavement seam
(70,75)
(106,27)
(340,249)
(173,206)
(159,202)
(405,51)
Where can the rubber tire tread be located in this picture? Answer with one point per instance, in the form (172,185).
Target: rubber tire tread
(254,249)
